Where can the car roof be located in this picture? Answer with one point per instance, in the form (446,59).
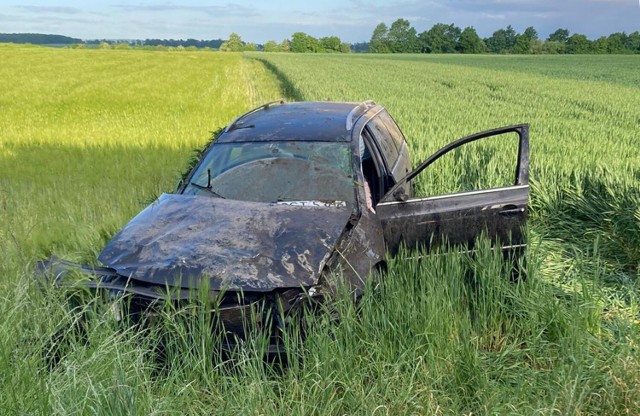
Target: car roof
(299,121)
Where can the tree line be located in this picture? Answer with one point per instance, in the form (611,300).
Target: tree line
(401,37)
(300,42)
(37,39)
(200,44)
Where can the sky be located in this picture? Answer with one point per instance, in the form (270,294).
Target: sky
(351,20)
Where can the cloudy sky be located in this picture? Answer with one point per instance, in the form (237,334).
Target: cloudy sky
(351,20)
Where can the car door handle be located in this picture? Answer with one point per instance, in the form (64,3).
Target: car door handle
(510,210)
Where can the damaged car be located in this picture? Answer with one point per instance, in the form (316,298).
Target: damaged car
(285,200)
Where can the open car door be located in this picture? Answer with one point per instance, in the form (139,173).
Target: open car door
(459,218)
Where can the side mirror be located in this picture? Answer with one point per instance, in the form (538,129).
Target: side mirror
(400,195)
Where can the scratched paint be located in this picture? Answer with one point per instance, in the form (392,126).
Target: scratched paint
(181,239)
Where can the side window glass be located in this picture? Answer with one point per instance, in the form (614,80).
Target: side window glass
(392,128)
(371,170)
(384,141)
(482,164)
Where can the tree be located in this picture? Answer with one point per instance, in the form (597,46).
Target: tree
(510,36)
(633,42)
(552,47)
(285,46)
(39,39)
(345,47)
(560,35)
(270,46)
(502,40)
(537,47)
(330,43)
(470,42)
(313,44)
(402,37)
(530,33)
(379,42)
(250,46)
(521,46)
(423,42)
(301,43)
(496,43)
(234,44)
(578,44)
(616,43)
(524,42)
(360,47)
(600,45)
(441,38)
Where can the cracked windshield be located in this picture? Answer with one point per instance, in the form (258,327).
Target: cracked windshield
(277,172)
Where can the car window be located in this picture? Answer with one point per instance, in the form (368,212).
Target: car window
(384,141)
(276,171)
(372,171)
(481,164)
(392,129)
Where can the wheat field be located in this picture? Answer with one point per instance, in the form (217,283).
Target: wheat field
(88,137)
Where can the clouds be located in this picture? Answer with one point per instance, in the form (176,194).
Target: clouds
(222,11)
(352,20)
(49,9)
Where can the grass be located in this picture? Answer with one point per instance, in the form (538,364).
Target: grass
(436,103)
(613,69)
(86,139)
(87,136)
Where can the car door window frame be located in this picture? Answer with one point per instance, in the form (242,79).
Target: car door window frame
(459,218)
(383,140)
(392,128)
(521,170)
(382,184)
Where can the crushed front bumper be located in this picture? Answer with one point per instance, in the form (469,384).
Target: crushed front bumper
(236,315)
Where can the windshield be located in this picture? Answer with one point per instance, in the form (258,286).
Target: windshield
(277,171)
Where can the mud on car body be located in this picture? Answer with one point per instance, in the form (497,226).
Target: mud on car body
(287,198)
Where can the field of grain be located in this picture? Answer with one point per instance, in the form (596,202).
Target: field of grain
(88,136)
(584,134)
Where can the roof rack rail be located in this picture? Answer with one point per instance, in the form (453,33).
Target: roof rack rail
(365,105)
(264,106)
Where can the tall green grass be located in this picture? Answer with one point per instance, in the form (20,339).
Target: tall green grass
(585,165)
(584,144)
(86,137)
(614,69)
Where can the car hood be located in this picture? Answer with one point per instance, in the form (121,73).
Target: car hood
(183,240)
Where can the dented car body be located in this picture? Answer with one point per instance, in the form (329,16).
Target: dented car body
(288,198)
